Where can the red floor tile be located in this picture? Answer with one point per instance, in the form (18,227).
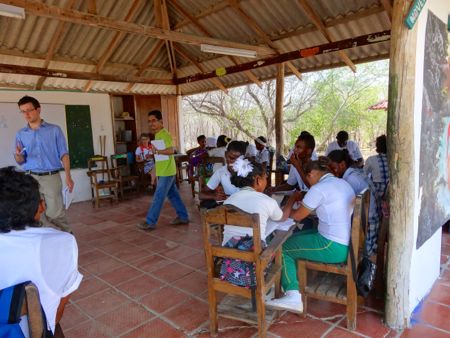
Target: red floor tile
(189,315)
(172,272)
(89,287)
(341,333)
(421,331)
(103,265)
(90,257)
(151,263)
(91,329)
(292,326)
(114,247)
(369,323)
(156,328)
(194,283)
(325,310)
(140,286)
(125,318)
(164,299)
(440,294)
(436,315)
(131,254)
(102,302)
(159,245)
(197,261)
(120,275)
(179,251)
(72,317)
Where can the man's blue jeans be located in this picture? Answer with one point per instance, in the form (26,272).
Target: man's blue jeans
(166,187)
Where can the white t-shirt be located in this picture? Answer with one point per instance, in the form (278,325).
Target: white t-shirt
(372,168)
(143,152)
(45,256)
(295,178)
(332,198)
(222,176)
(352,148)
(359,182)
(253,202)
(251,150)
(217,152)
(263,156)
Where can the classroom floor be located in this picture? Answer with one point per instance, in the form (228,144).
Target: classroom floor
(140,284)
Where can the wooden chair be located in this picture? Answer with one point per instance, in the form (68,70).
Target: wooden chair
(144,180)
(121,172)
(202,170)
(335,282)
(101,180)
(229,307)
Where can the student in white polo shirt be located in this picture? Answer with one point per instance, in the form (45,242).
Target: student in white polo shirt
(219,185)
(332,198)
(342,143)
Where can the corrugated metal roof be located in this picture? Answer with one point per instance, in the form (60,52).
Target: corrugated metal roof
(27,42)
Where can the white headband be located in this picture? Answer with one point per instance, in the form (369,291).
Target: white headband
(258,140)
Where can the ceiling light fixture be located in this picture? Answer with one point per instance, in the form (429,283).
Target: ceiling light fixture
(12,11)
(246,53)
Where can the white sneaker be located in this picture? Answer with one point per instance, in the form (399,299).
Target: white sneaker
(292,302)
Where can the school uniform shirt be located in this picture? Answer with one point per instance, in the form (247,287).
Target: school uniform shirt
(295,178)
(45,256)
(143,152)
(263,156)
(332,198)
(253,202)
(217,152)
(351,146)
(251,150)
(222,176)
(376,167)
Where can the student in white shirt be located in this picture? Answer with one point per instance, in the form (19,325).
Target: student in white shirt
(304,147)
(219,151)
(219,185)
(251,151)
(263,154)
(332,198)
(251,179)
(314,155)
(342,143)
(45,256)
(340,165)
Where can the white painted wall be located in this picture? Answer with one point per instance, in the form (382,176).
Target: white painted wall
(425,261)
(101,125)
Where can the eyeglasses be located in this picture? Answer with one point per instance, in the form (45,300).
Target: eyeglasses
(27,111)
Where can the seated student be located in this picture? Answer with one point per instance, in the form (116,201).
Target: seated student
(211,142)
(219,151)
(332,198)
(250,151)
(251,179)
(29,252)
(196,155)
(144,154)
(263,154)
(219,185)
(314,156)
(376,168)
(304,147)
(340,165)
(342,143)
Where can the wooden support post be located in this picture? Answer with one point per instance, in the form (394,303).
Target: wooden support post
(400,133)
(279,109)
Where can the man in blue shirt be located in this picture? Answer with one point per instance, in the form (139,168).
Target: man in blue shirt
(41,149)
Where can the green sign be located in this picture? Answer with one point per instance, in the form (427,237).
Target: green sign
(414,13)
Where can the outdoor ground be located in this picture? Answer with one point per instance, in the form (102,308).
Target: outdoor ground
(140,284)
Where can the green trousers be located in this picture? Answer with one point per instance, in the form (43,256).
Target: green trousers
(312,246)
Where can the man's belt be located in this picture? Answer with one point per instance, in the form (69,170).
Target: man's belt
(45,173)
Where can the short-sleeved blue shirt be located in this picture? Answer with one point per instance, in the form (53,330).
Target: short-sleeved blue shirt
(44,147)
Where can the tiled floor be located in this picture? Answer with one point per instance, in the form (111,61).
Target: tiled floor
(140,284)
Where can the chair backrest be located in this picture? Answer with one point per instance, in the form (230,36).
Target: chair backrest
(232,216)
(207,164)
(98,165)
(120,164)
(359,222)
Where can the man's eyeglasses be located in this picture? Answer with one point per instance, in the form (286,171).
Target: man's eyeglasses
(27,111)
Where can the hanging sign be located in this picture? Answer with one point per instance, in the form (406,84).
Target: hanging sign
(221,71)
(414,13)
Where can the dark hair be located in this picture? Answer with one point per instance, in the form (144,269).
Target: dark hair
(321,164)
(144,135)
(261,138)
(308,139)
(240,182)
(338,156)
(381,144)
(239,146)
(342,136)
(304,132)
(29,99)
(19,200)
(156,113)
(201,137)
(222,141)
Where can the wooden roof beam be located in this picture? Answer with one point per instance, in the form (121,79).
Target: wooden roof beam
(64,74)
(326,48)
(165,23)
(92,7)
(258,30)
(203,30)
(317,21)
(387,5)
(37,8)
(200,67)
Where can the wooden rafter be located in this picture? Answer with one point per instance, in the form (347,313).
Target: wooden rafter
(331,47)
(53,12)
(165,24)
(208,11)
(39,71)
(387,5)
(117,39)
(200,67)
(260,32)
(203,30)
(317,21)
(92,7)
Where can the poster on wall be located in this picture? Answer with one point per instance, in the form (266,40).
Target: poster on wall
(434,172)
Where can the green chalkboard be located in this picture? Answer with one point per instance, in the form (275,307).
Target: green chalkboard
(79,135)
